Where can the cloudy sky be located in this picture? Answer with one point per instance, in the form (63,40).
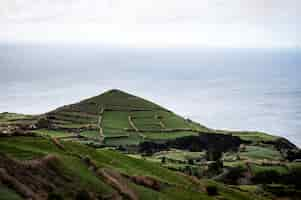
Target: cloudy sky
(153,23)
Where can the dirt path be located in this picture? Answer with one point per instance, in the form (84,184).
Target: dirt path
(117,182)
(57,142)
(99,124)
(157,117)
(132,124)
(249,169)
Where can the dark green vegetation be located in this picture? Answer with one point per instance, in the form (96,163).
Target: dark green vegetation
(120,146)
(116,118)
(69,167)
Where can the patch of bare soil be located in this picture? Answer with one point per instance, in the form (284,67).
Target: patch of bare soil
(57,142)
(148,182)
(32,179)
(118,182)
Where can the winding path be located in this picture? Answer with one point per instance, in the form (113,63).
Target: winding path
(132,124)
(99,124)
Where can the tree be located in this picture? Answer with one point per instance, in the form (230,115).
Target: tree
(213,155)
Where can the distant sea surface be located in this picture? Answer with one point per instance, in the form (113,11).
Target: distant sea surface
(239,89)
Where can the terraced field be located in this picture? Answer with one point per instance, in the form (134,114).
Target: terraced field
(121,119)
(117,118)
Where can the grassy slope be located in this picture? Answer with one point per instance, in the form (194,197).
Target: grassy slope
(7,119)
(181,187)
(119,106)
(8,194)
(257,152)
(254,136)
(146,116)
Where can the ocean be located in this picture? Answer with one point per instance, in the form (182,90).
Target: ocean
(236,89)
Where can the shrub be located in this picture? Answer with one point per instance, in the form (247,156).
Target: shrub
(190,161)
(293,178)
(266,177)
(213,155)
(54,196)
(83,195)
(211,190)
(43,123)
(163,160)
(233,175)
(215,167)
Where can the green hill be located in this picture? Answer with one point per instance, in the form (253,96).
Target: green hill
(118,118)
(120,146)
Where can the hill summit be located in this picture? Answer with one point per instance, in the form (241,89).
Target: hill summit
(117,99)
(121,118)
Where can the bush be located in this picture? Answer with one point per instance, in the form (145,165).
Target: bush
(163,160)
(233,175)
(190,161)
(292,178)
(54,196)
(213,155)
(83,195)
(266,177)
(211,190)
(43,123)
(215,168)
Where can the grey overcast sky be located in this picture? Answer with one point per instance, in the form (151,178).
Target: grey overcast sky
(153,23)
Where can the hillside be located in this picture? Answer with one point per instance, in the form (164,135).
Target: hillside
(120,146)
(69,170)
(117,118)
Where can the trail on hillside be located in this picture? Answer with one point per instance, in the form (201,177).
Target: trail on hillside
(136,130)
(99,124)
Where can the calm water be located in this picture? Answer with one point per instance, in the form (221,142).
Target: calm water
(232,89)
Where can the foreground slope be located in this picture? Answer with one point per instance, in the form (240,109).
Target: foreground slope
(40,168)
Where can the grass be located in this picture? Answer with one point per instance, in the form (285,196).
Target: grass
(27,147)
(181,187)
(52,133)
(250,188)
(118,107)
(5,117)
(257,169)
(117,98)
(175,121)
(115,132)
(77,119)
(90,134)
(252,135)
(180,155)
(168,135)
(8,194)
(294,165)
(131,139)
(71,126)
(146,115)
(115,119)
(257,152)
